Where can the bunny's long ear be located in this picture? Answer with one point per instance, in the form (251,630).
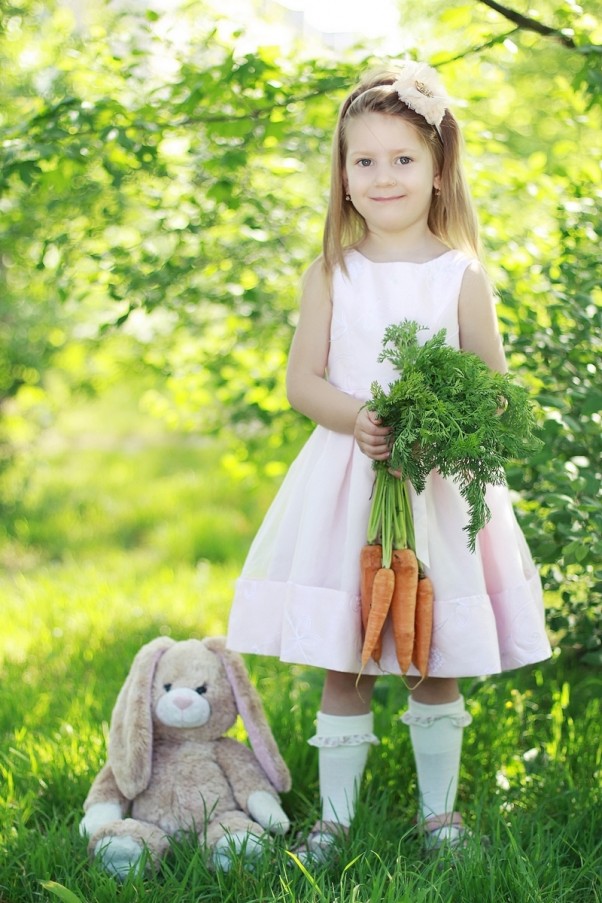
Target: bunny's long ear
(131,732)
(251,710)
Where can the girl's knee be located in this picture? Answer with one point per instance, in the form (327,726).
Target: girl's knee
(434,690)
(345,694)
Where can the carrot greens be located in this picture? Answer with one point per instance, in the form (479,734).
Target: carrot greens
(447,411)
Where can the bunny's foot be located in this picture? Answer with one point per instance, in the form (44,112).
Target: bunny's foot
(126,846)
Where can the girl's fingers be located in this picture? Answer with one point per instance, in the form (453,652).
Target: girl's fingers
(369,423)
(372,439)
(376,445)
(381,441)
(377,453)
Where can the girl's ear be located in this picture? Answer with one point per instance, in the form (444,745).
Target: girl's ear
(437,182)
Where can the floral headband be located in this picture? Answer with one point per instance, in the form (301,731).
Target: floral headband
(420,88)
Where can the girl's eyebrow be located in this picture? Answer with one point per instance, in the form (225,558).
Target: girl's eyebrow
(369,153)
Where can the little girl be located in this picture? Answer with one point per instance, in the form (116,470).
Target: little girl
(400,242)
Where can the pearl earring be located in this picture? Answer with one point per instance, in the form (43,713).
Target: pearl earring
(347,197)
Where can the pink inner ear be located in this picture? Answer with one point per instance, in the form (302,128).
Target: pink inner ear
(256,735)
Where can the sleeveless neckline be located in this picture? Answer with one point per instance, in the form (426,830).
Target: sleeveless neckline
(414,263)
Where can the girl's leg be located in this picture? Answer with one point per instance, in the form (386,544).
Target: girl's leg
(344,694)
(436,717)
(343,737)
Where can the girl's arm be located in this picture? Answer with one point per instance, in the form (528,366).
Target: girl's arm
(479,330)
(308,390)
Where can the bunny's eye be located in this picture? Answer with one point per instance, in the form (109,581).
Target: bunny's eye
(167,687)
(201,690)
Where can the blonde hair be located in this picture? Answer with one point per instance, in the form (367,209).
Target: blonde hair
(452,217)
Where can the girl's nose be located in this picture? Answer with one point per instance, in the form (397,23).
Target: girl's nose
(386,177)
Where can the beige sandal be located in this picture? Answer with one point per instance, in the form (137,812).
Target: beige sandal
(448,834)
(321,843)
(444,832)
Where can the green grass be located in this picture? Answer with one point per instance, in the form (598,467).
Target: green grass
(105,548)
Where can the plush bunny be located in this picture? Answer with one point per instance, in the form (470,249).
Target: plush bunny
(169,767)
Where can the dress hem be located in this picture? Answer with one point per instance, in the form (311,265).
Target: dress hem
(298,634)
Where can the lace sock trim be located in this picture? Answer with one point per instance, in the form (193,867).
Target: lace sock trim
(346,740)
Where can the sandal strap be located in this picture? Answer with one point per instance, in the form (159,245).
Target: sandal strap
(434,823)
(444,831)
(322,837)
(328,829)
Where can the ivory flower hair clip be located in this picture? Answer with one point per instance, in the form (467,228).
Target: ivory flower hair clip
(420,87)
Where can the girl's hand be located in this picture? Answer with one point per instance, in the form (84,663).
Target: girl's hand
(371,437)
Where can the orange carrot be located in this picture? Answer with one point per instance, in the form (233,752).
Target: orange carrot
(403,604)
(382,592)
(370,563)
(424,625)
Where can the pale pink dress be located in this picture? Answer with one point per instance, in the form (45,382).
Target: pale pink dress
(298,594)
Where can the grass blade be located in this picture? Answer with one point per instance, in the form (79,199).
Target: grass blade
(63,893)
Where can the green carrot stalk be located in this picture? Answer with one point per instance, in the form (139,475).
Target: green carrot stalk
(390,523)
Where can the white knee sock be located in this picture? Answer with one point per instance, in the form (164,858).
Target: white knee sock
(436,734)
(343,742)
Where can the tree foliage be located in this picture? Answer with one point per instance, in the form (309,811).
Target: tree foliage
(185,202)
(164,184)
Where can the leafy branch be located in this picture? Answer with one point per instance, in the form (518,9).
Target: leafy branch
(485,45)
(527,23)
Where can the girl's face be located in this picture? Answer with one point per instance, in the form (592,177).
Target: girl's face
(389,173)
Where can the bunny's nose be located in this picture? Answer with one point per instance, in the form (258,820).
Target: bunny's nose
(182,702)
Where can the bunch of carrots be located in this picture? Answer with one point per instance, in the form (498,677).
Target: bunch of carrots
(447,411)
(392,579)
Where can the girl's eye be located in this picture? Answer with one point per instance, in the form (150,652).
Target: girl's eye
(201,690)
(404,160)
(365,161)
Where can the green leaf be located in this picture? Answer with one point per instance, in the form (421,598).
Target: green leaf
(593,658)
(576,551)
(592,403)
(63,893)
(221,191)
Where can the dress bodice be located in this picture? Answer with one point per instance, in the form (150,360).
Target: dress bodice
(373,295)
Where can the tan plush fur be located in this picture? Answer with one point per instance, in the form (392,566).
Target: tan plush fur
(171,769)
